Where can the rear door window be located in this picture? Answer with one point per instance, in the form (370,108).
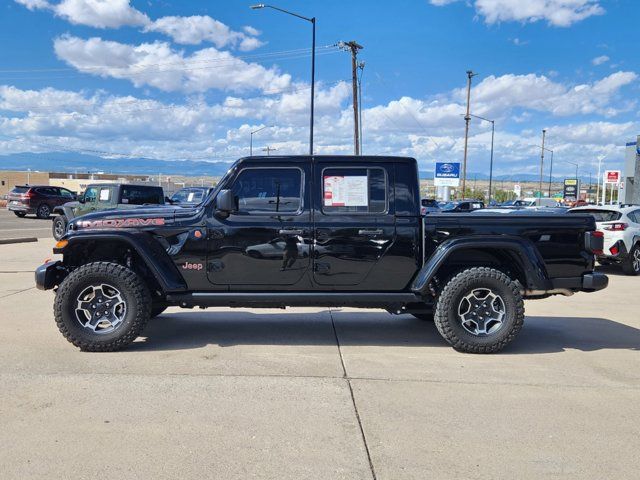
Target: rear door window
(354,190)
(601,215)
(133,195)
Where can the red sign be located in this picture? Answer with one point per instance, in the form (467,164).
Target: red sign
(612,176)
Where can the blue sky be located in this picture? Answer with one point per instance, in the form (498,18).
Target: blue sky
(191,79)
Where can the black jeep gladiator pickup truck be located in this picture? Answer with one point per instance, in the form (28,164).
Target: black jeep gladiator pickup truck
(324,231)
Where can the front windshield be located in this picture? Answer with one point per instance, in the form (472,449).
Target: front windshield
(187,195)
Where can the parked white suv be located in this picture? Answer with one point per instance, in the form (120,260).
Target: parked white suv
(620,225)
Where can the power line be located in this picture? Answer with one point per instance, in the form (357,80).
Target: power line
(258,55)
(123,73)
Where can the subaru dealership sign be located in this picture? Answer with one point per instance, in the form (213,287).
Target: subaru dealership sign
(447,174)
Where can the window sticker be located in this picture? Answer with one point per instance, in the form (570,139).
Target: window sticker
(104,194)
(190,197)
(346,191)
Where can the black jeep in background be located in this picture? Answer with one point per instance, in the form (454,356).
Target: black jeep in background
(105,196)
(323,231)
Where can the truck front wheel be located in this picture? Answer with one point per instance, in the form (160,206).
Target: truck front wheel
(59,226)
(480,310)
(102,307)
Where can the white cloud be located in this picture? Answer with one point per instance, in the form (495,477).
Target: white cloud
(600,60)
(191,30)
(495,95)
(158,65)
(196,29)
(559,13)
(34,4)
(100,13)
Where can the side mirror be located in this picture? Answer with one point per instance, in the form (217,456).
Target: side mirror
(225,203)
(81,198)
(169,201)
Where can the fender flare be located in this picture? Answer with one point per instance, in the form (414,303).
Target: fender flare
(522,250)
(156,259)
(64,210)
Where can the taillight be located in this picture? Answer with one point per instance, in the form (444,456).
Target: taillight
(29,194)
(614,250)
(599,244)
(616,227)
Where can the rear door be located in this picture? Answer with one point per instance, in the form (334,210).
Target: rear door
(354,225)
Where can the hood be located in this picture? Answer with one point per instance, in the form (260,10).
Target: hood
(143,217)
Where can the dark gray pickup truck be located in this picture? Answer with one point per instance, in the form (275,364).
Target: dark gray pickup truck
(323,231)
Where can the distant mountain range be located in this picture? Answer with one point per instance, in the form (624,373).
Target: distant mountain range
(83,163)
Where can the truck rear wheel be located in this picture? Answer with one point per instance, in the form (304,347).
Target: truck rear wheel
(102,307)
(480,310)
(59,226)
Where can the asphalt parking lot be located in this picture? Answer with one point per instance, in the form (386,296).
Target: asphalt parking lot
(29,226)
(317,393)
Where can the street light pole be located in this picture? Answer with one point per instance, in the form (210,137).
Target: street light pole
(467,119)
(550,171)
(542,149)
(312,20)
(493,131)
(251,138)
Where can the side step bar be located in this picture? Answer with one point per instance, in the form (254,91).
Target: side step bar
(292,299)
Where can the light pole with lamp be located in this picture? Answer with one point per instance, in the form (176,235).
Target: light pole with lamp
(312,20)
(493,131)
(251,138)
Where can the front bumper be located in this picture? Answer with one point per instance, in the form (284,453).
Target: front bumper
(49,275)
(589,282)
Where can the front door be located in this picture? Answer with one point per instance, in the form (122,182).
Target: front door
(267,240)
(354,223)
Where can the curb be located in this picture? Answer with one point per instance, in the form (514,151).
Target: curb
(5,241)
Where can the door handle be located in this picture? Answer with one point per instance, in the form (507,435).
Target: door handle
(377,231)
(291,231)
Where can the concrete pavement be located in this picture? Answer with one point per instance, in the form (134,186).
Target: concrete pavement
(317,393)
(30,226)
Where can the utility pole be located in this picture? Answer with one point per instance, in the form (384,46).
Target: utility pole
(467,118)
(544,132)
(268,149)
(353,47)
(361,68)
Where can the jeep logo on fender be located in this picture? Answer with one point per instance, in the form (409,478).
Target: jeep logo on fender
(122,223)
(192,266)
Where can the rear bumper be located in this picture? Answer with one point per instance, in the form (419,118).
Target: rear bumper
(49,275)
(20,208)
(621,249)
(589,282)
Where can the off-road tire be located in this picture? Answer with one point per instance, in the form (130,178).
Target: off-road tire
(59,226)
(628,266)
(43,211)
(132,288)
(20,214)
(449,324)
(157,308)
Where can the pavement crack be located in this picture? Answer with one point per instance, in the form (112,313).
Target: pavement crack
(353,398)
(15,293)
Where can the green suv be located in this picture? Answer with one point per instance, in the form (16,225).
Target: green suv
(105,196)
